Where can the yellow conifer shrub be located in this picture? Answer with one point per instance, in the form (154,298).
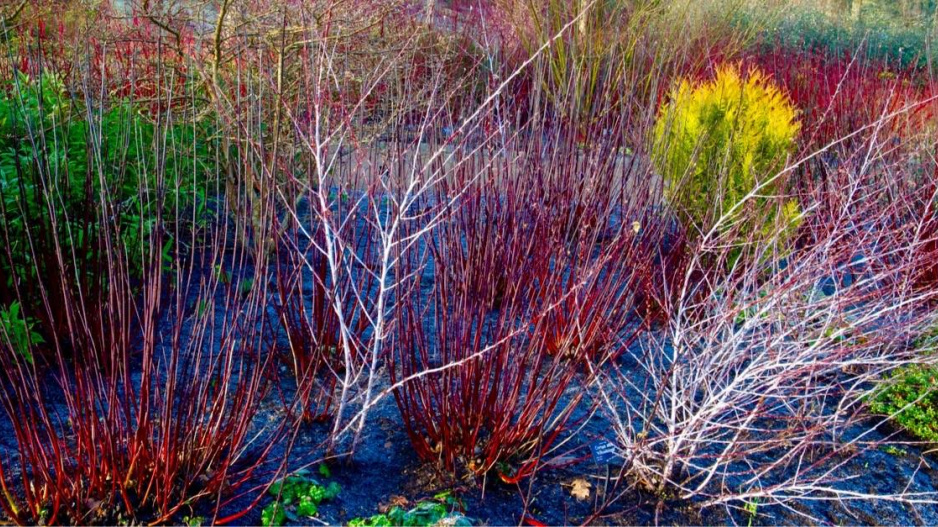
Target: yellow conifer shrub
(719,139)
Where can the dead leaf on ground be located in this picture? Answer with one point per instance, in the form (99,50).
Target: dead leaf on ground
(580,489)
(395,501)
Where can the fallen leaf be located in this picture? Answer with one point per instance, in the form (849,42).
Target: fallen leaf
(580,489)
(395,501)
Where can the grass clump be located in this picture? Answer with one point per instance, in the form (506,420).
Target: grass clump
(911,395)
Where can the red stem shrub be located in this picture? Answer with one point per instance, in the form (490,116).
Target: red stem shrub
(533,276)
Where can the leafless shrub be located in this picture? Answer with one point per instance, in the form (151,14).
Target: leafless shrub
(754,389)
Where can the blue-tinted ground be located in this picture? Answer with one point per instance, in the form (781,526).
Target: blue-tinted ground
(385,468)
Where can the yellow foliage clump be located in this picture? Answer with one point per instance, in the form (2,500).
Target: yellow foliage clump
(720,139)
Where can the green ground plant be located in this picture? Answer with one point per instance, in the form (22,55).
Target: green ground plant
(911,394)
(297,497)
(894,450)
(443,509)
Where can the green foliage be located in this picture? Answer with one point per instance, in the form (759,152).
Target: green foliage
(297,497)
(65,170)
(894,451)
(911,393)
(222,275)
(245,287)
(720,139)
(884,29)
(273,515)
(752,510)
(442,509)
(18,329)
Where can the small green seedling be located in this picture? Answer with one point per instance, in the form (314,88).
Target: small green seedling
(752,510)
(442,509)
(246,285)
(894,451)
(224,277)
(297,497)
(273,515)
